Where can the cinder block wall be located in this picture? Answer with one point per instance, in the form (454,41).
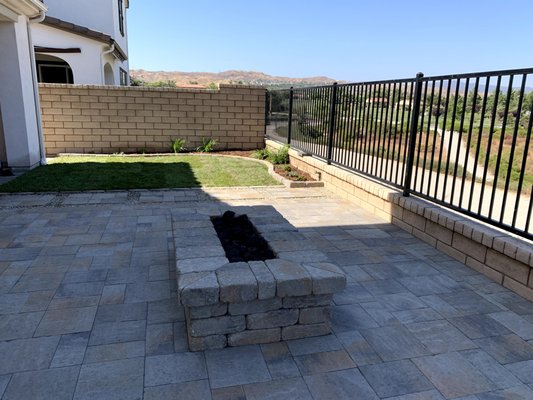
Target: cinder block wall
(105,119)
(499,256)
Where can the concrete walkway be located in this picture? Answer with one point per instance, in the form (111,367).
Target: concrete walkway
(88,309)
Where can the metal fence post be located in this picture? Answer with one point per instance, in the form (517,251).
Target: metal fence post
(289,132)
(331,122)
(412,135)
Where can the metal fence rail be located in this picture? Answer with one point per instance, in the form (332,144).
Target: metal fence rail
(462,141)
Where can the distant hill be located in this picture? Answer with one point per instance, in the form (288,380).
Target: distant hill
(204,79)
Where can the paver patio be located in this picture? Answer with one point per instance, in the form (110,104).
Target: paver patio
(89,311)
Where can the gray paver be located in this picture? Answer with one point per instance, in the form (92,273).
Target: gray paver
(294,389)
(4,380)
(428,395)
(19,326)
(440,336)
(516,393)
(341,385)
(159,339)
(196,390)
(80,289)
(236,366)
(279,361)
(358,348)
(56,383)
(113,380)
(167,310)
(27,354)
(228,393)
(174,368)
(492,369)
(350,317)
(479,326)
(515,323)
(114,332)
(394,342)
(114,351)
(394,280)
(327,361)
(453,375)
(506,348)
(71,350)
(318,344)
(70,320)
(395,378)
(523,370)
(121,312)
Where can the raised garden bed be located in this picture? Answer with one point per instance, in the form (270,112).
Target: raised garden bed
(240,303)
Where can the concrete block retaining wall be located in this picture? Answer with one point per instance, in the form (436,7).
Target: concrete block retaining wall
(109,119)
(242,303)
(501,257)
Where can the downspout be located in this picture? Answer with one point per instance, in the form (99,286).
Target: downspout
(38,19)
(105,53)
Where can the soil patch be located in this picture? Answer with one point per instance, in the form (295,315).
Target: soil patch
(240,240)
(292,173)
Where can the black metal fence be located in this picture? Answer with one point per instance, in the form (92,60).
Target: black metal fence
(462,141)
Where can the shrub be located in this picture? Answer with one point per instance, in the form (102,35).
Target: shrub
(207,146)
(178,145)
(280,156)
(261,154)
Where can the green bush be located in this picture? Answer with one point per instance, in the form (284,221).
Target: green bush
(207,146)
(178,145)
(261,154)
(280,156)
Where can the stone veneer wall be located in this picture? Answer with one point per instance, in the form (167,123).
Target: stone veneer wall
(109,119)
(501,257)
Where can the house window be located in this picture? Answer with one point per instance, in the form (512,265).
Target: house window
(123,78)
(52,72)
(121,16)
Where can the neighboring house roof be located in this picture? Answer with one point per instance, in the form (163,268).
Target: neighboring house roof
(86,32)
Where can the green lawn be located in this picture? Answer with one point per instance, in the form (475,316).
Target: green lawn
(140,172)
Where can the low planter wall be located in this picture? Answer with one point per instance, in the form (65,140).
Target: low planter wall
(501,257)
(242,303)
(110,119)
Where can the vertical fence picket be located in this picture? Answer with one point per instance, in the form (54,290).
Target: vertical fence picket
(456,140)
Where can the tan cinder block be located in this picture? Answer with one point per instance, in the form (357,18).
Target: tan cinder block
(523,253)
(415,220)
(507,266)
(401,224)
(425,237)
(439,232)
(518,288)
(469,247)
(451,251)
(483,269)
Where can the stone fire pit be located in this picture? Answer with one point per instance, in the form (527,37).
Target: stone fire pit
(240,303)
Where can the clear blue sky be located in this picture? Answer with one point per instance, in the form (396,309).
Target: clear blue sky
(353,40)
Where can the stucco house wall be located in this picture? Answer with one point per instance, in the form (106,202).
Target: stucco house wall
(20,137)
(101,18)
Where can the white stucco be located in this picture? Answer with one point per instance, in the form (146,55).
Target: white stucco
(20,118)
(86,66)
(97,15)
